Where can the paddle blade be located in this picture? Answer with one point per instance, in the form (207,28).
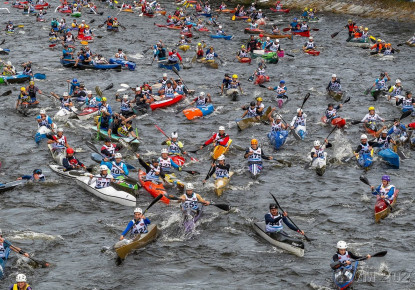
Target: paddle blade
(406,114)
(380,254)
(175,71)
(347,100)
(192,172)
(6,93)
(52,45)
(98,91)
(110,86)
(172,197)
(364,180)
(125,86)
(354,122)
(39,76)
(286,29)
(160,196)
(233,18)
(335,34)
(225,207)
(305,99)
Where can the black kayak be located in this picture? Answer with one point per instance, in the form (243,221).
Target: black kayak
(11,185)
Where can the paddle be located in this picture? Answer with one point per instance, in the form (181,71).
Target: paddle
(311,162)
(160,196)
(335,34)
(366,181)
(369,89)
(251,78)
(298,229)
(43,264)
(302,105)
(403,116)
(6,93)
(377,255)
(286,29)
(39,76)
(181,150)
(177,73)
(222,206)
(207,175)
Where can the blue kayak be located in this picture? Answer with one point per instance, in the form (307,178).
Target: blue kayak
(255,169)
(190,23)
(206,110)
(343,277)
(227,37)
(365,160)
(4,260)
(125,63)
(278,138)
(208,15)
(98,158)
(18,78)
(98,66)
(389,156)
(164,64)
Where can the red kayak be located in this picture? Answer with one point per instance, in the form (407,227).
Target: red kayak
(280,10)
(244,60)
(171,26)
(253,30)
(261,79)
(155,189)
(301,33)
(411,125)
(165,102)
(151,15)
(203,29)
(41,6)
(312,52)
(339,122)
(87,113)
(83,37)
(187,34)
(382,210)
(178,159)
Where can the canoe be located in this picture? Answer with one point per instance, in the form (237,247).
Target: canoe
(248,122)
(239,17)
(98,159)
(410,44)
(312,52)
(76,14)
(71,63)
(301,33)
(11,185)
(301,131)
(184,47)
(280,10)
(226,10)
(358,42)
(18,78)
(178,159)
(57,155)
(343,278)
(199,111)
(155,189)
(245,60)
(253,30)
(125,63)
(390,156)
(88,113)
(339,122)
(3,262)
(221,183)
(319,164)
(219,150)
(190,218)
(277,139)
(261,79)
(336,95)
(116,137)
(124,247)
(255,169)
(164,64)
(203,29)
(280,239)
(227,37)
(63,114)
(382,210)
(274,36)
(165,102)
(365,160)
(108,193)
(41,133)
(162,12)
(171,26)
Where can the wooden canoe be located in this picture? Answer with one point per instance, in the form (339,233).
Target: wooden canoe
(219,150)
(123,249)
(221,183)
(335,95)
(248,122)
(274,36)
(382,210)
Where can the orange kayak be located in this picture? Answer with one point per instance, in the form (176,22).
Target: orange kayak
(153,188)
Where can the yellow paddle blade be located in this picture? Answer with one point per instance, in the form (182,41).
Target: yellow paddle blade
(372,37)
(191,5)
(233,18)
(83,42)
(20,26)
(116,2)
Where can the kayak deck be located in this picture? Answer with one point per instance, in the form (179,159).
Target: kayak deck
(123,249)
(382,210)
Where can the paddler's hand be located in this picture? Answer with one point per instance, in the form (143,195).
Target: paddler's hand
(121,237)
(368,257)
(201,147)
(285,213)
(301,232)
(138,155)
(271,157)
(204,181)
(106,159)
(372,187)
(348,262)
(26,255)
(206,203)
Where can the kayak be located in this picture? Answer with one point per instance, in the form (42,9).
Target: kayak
(199,111)
(359,42)
(390,156)
(280,10)
(63,114)
(85,38)
(59,169)
(245,60)
(165,102)
(248,122)
(312,20)
(58,153)
(319,164)
(277,139)
(208,15)
(410,44)
(382,210)
(41,133)
(261,79)
(41,6)
(216,36)
(301,131)
(187,34)
(178,159)
(184,47)
(203,29)
(221,183)
(270,57)
(211,63)
(312,52)
(274,36)
(114,137)
(108,193)
(98,159)
(343,277)
(233,93)
(226,10)
(370,130)
(171,26)
(365,160)
(88,113)
(18,78)
(126,246)
(280,53)
(11,185)
(76,14)
(190,218)
(97,66)
(125,63)
(255,169)
(3,262)
(151,15)
(339,122)
(305,33)
(253,30)
(162,12)
(164,64)
(219,150)
(280,239)
(155,189)
(335,95)
(239,17)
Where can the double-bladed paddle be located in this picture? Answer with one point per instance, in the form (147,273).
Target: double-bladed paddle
(177,73)
(43,264)
(366,181)
(222,206)
(302,105)
(337,264)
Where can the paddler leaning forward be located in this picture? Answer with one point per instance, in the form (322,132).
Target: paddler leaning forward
(220,138)
(138,225)
(274,220)
(153,171)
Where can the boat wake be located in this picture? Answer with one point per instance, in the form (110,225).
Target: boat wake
(27,235)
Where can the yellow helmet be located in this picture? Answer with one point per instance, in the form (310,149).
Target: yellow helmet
(75,5)
(243,46)
(379,40)
(305,9)
(73,24)
(31,83)
(86,26)
(23,89)
(234,76)
(366,29)
(254,142)
(199,44)
(311,10)
(104,99)
(371,108)
(259,99)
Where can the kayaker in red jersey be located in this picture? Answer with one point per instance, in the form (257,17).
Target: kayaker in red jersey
(218,138)
(350,26)
(343,256)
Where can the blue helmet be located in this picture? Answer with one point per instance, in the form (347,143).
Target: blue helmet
(37,171)
(295,18)
(75,80)
(282,82)
(386,177)
(109,16)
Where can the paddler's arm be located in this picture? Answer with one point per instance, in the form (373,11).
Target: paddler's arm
(212,170)
(291,226)
(14,248)
(248,153)
(143,163)
(201,200)
(127,229)
(174,164)
(265,156)
(375,191)
(354,257)
(208,141)
(244,114)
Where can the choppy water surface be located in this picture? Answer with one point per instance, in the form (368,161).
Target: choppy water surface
(73,230)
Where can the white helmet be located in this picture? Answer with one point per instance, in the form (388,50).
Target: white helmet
(21,278)
(118,155)
(189,186)
(310,38)
(398,81)
(317,143)
(221,128)
(385,132)
(174,135)
(42,112)
(202,94)
(137,89)
(164,150)
(103,167)
(89,92)
(278,117)
(164,75)
(9,62)
(222,157)
(341,245)
(268,38)
(65,94)
(220,26)
(334,76)
(364,136)
(60,130)
(137,209)
(277,40)
(299,110)
(125,97)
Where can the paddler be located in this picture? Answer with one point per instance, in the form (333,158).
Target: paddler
(104,104)
(311,14)
(344,257)
(225,83)
(299,120)
(255,154)
(220,169)
(169,89)
(45,120)
(91,101)
(384,140)
(8,69)
(137,226)
(32,90)
(242,53)
(295,25)
(81,94)
(275,30)
(21,283)
(234,84)
(27,68)
(260,73)
(304,26)
(105,121)
(67,52)
(126,129)
(220,31)
(175,146)
(174,57)
(36,176)
(190,200)
(58,141)
(70,162)
(23,99)
(380,83)
(398,130)
(350,26)
(180,88)
(274,221)
(250,111)
(364,147)
(142,101)
(385,190)
(109,149)
(74,84)
(318,150)
(334,84)
(116,167)
(396,90)
(309,45)
(125,106)
(211,54)
(305,13)
(9,27)
(153,170)
(278,6)
(66,102)
(407,103)
(103,179)
(84,57)
(331,112)
(201,100)
(166,163)
(183,40)
(121,54)
(280,90)
(4,245)
(220,138)
(377,46)
(252,44)
(371,118)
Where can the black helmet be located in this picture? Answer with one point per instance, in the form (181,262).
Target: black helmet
(382,74)
(154,160)
(330,105)
(37,171)
(252,104)
(108,139)
(408,93)
(272,206)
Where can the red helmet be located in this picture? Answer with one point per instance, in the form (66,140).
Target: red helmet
(70,151)
(170,53)
(115,18)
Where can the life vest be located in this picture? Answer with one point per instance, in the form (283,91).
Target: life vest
(65,103)
(275,127)
(102,181)
(300,121)
(407,104)
(91,102)
(309,45)
(304,27)
(365,149)
(190,202)
(221,173)
(16,288)
(179,89)
(72,161)
(169,92)
(274,226)
(2,251)
(173,57)
(115,169)
(387,51)
(260,71)
(385,190)
(343,258)
(165,164)
(256,156)
(243,53)
(335,86)
(125,105)
(110,149)
(201,102)
(233,85)
(124,130)
(60,141)
(330,114)
(252,112)
(219,138)
(350,27)
(210,56)
(121,55)
(139,227)
(151,175)
(396,91)
(383,141)
(173,148)
(281,91)
(319,152)
(380,83)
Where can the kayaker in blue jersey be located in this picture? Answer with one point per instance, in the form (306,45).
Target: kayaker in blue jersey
(305,13)
(295,25)
(190,200)
(117,167)
(159,52)
(70,162)
(220,169)
(105,121)
(225,83)
(137,226)
(166,163)
(36,176)
(398,130)
(103,179)
(105,105)
(281,91)
(23,99)
(344,257)
(180,88)
(44,120)
(67,52)
(380,83)
(201,100)
(73,85)
(385,190)
(83,57)
(334,84)
(274,221)
(331,112)
(210,54)
(153,169)
(407,103)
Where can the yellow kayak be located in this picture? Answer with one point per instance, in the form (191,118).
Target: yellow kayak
(219,150)
(171,178)
(184,47)
(123,248)
(221,183)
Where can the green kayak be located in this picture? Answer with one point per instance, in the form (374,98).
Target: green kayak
(104,133)
(270,57)
(126,185)
(76,14)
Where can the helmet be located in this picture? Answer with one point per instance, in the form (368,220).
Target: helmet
(278,117)
(366,29)
(334,76)
(252,104)
(386,177)
(254,142)
(371,108)
(31,83)
(88,92)
(65,94)
(311,10)
(164,75)
(385,132)
(277,40)
(21,278)
(60,130)
(272,206)
(125,97)
(86,26)
(104,99)
(379,40)
(259,99)
(341,245)
(317,143)
(189,186)
(117,155)
(222,157)
(42,112)
(103,167)
(398,81)
(282,82)
(37,171)
(299,110)
(202,94)
(174,135)
(139,210)
(221,128)
(295,18)
(164,150)
(199,44)
(305,9)
(363,136)
(23,89)
(311,38)
(220,26)
(268,38)
(70,151)
(115,18)
(234,76)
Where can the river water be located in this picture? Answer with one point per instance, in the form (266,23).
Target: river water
(74,231)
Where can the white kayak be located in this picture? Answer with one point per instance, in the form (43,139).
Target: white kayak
(58,153)
(71,173)
(63,115)
(87,113)
(108,193)
(319,164)
(41,133)
(301,131)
